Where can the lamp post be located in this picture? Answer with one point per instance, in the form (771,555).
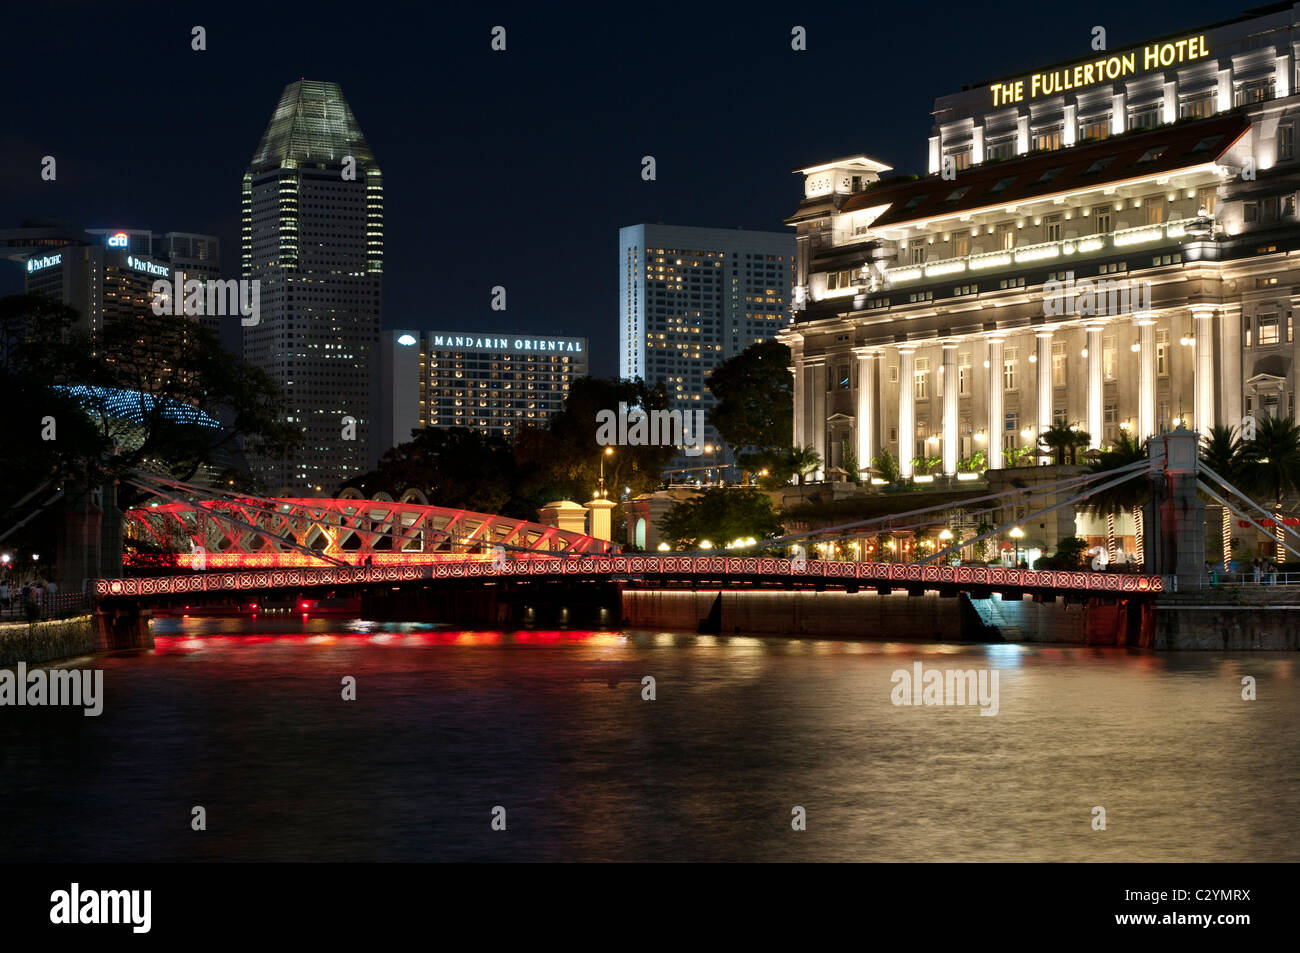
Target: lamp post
(609,452)
(1017,534)
(945,537)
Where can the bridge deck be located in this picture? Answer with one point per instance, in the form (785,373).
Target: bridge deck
(652,568)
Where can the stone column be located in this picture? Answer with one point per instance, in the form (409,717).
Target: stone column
(950,445)
(1044,339)
(906,408)
(1096,415)
(1146,377)
(1203,329)
(866,423)
(994,441)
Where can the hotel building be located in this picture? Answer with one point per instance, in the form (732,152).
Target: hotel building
(936,315)
(312,235)
(494,382)
(689,298)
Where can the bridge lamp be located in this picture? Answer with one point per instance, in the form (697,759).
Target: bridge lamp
(609,452)
(663,547)
(705,544)
(945,535)
(4,559)
(1017,534)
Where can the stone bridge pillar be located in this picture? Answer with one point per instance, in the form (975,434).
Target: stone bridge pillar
(1175,515)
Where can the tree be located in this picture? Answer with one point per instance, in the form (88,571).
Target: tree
(720,515)
(1124,497)
(755,398)
(887,465)
(1271,466)
(1069,554)
(1062,443)
(1221,451)
(1016,456)
(803,461)
(452,466)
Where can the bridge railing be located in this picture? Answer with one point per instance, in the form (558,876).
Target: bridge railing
(1248,579)
(47,606)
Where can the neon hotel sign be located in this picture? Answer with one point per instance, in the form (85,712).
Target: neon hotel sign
(1101,70)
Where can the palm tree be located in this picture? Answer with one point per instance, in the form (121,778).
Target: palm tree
(1062,442)
(1123,497)
(1271,466)
(804,460)
(1222,452)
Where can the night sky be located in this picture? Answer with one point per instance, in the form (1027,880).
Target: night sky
(512,168)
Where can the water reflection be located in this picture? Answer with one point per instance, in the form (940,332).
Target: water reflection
(247,719)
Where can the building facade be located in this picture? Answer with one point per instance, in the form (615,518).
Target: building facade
(689,299)
(1105,244)
(312,235)
(497,383)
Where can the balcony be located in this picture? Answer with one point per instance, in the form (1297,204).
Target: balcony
(1062,250)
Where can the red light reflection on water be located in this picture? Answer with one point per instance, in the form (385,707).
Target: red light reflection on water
(184,642)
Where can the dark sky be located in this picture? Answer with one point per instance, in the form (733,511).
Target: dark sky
(512,168)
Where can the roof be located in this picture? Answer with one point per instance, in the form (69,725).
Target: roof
(858,161)
(312,123)
(1137,155)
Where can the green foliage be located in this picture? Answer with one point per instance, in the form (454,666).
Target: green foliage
(851,464)
(1018,456)
(1062,443)
(803,461)
(1069,554)
(977,462)
(720,515)
(1125,496)
(924,465)
(452,466)
(755,398)
(887,466)
(1270,464)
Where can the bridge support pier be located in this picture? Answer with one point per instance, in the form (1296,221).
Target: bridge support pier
(122,628)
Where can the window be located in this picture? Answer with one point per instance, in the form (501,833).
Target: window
(1155,206)
(1009,368)
(843,375)
(1058,364)
(1052,228)
(1095,127)
(963,290)
(1250,212)
(1175,259)
(1101,219)
(1058,417)
(1099,166)
(1206,197)
(1010,430)
(963,373)
(960,158)
(1006,283)
(1006,236)
(1206,144)
(1285,142)
(1110,420)
(1003,184)
(1108,357)
(893,375)
(1144,117)
(917,250)
(1197,105)
(1049,137)
(960,246)
(1245,331)
(1003,148)
(917,297)
(921,378)
(1267,328)
(1162,353)
(1050,174)
(1258,91)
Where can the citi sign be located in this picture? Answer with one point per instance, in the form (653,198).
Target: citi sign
(36,264)
(120,240)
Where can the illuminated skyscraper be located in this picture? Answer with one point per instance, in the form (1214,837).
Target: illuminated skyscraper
(313,235)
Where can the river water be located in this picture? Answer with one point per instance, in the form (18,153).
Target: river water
(246,719)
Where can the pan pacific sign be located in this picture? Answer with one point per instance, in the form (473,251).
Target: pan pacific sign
(1104,69)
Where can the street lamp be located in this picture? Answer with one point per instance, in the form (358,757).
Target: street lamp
(1017,534)
(609,452)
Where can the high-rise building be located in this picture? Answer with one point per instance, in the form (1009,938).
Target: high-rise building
(1106,245)
(689,299)
(493,382)
(312,235)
